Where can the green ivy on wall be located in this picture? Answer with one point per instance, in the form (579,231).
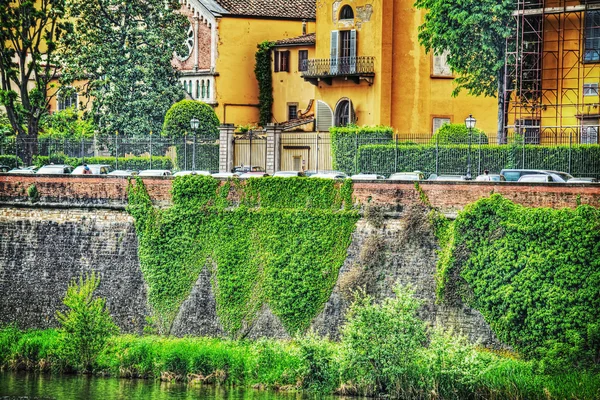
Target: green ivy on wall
(282,246)
(534,274)
(262,70)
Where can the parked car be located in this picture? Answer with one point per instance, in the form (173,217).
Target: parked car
(491,177)
(288,174)
(4,168)
(225,175)
(366,177)
(96,169)
(582,180)
(536,178)
(330,175)
(513,175)
(253,174)
(183,173)
(122,172)
(55,169)
(407,176)
(312,172)
(21,171)
(242,169)
(155,172)
(451,178)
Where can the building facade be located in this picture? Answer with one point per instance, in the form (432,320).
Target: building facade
(370,69)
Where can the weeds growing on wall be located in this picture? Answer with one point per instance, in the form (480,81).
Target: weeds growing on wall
(534,274)
(282,246)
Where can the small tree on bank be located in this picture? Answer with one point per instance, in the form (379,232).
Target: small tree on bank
(177,119)
(86,325)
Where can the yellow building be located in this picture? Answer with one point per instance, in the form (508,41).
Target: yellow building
(222,42)
(370,69)
(553,72)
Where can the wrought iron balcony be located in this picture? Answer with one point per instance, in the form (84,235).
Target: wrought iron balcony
(325,69)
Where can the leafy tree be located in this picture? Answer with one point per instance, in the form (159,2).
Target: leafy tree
(380,342)
(474,33)
(86,325)
(123,56)
(29,31)
(458,134)
(68,123)
(177,119)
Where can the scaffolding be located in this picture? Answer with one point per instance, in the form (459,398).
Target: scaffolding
(552,72)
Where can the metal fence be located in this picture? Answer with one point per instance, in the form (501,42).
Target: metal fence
(122,152)
(459,155)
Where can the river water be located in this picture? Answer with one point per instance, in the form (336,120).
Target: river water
(29,386)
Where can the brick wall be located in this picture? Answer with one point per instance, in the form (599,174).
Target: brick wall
(448,196)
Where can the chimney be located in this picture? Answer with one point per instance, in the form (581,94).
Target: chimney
(304,27)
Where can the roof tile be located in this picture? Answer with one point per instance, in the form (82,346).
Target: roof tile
(293,9)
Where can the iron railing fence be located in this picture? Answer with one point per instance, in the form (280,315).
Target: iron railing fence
(567,150)
(120,151)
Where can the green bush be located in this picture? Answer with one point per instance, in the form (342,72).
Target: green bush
(534,274)
(134,163)
(458,134)
(386,159)
(177,119)
(381,342)
(345,142)
(11,161)
(86,325)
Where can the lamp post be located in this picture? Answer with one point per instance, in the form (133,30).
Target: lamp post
(194,124)
(470,124)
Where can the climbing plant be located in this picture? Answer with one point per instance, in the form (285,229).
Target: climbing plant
(534,274)
(262,70)
(281,247)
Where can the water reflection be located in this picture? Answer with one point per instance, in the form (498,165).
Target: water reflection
(24,386)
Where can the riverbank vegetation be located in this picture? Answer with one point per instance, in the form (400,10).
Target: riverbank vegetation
(384,349)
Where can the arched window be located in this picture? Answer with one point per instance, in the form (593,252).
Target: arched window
(198,89)
(185,86)
(346,12)
(324,117)
(203,89)
(344,112)
(208,89)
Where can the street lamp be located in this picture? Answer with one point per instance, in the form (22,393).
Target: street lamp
(194,124)
(470,124)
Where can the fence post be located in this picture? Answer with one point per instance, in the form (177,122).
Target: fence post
(150,149)
(16,150)
(194,153)
(82,153)
(437,155)
(356,154)
(116,149)
(479,156)
(396,155)
(570,149)
(185,151)
(523,155)
(317,154)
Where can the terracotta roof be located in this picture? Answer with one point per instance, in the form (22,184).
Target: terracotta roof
(292,9)
(299,40)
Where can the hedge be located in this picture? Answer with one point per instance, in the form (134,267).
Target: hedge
(385,159)
(134,163)
(10,160)
(345,141)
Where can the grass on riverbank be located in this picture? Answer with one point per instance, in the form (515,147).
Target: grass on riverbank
(447,368)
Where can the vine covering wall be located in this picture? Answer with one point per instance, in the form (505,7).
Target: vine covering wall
(534,274)
(282,246)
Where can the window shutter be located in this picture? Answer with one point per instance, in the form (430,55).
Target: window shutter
(352,51)
(334,55)
(276,61)
(324,117)
(352,114)
(286,58)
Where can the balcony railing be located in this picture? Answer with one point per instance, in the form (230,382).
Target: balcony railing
(327,68)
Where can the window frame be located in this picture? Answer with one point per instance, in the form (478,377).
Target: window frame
(282,61)
(593,87)
(591,34)
(302,56)
(61,100)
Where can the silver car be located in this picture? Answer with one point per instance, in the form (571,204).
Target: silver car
(155,172)
(55,169)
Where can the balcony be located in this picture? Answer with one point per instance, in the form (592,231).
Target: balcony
(350,68)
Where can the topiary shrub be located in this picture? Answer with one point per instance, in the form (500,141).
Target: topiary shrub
(177,119)
(458,134)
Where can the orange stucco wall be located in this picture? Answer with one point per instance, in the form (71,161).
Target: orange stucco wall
(236,86)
